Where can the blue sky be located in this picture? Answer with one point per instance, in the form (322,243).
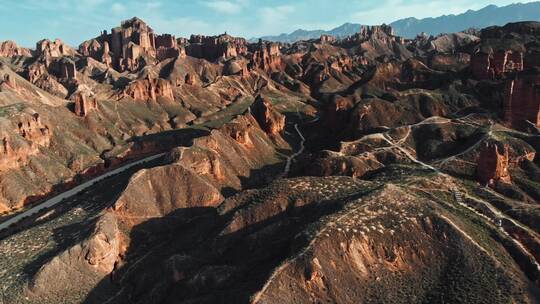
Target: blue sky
(27,21)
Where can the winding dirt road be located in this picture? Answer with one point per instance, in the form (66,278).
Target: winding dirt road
(300,151)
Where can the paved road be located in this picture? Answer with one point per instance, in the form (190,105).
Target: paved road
(60,197)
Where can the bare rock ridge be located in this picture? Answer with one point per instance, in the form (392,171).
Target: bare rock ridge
(364,169)
(188,182)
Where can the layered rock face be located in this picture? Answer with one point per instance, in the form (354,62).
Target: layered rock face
(214,47)
(269,119)
(376,32)
(265,56)
(84,104)
(31,128)
(125,46)
(11,49)
(496,64)
(382,33)
(522,99)
(21,139)
(492,165)
(167,47)
(68,69)
(98,50)
(514,62)
(378,42)
(149,89)
(56,48)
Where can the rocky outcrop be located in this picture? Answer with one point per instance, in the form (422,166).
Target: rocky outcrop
(265,56)
(14,152)
(376,32)
(522,99)
(157,192)
(327,39)
(11,49)
(49,83)
(382,33)
(337,112)
(216,47)
(83,104)
(270,120)
(149,89)
(97,50)
(378,42)
(31,128)
(167,47)
(38,74)
(450,62)
(21,137)
(236,150)
(129,46)
(68,69)
(8,81)
(190,79)
(449,43)
(495,64)
(56,48)
(492,164)
(236,67)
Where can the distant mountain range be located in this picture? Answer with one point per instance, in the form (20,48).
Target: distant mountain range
(410,27)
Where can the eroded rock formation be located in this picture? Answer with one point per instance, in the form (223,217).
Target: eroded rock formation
(149,89)
(270,120)
(265,56)
(495,64)
(384,139)
(56,48)
(522,99)
(9,81)
(129,46)
(83,104)
(492,164)
(11,49)
(215,47)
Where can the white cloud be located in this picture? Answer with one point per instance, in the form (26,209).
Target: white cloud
(225,7)
(153,5)
(272,15)
(118,8)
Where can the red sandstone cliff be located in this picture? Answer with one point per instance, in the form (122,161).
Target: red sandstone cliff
(270,120)
(149,89)
(84,104)
(492,165)
(522,99)
(10,49)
